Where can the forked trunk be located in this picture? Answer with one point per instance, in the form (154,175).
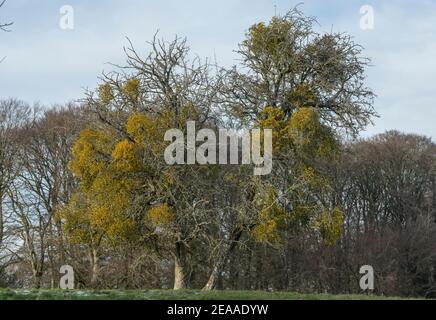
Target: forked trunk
(1,218)
(214,277)
(221,262)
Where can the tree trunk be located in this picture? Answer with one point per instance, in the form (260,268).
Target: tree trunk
(36,282)
(214,276)
(1,218)
(94,267)
(181,270)
(221,262)
(37,275)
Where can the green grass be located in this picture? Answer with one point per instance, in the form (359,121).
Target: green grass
(9,294)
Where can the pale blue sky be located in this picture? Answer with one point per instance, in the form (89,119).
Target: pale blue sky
(49,65)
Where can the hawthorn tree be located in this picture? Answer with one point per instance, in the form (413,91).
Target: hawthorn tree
(308,88)
(286,64)
(127,191)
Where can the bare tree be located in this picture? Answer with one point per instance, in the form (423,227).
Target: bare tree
(14,114)
(42,184)
(169,80)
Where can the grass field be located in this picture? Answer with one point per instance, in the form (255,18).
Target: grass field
(9,294)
